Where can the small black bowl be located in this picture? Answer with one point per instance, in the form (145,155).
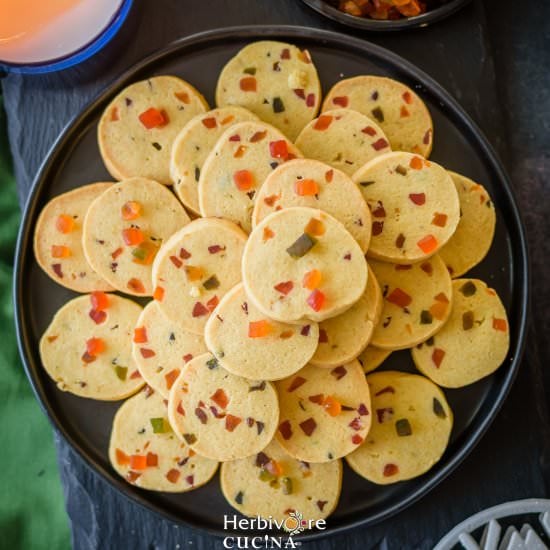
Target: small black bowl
(441,11)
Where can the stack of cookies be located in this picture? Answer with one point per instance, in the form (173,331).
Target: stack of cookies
(293,254)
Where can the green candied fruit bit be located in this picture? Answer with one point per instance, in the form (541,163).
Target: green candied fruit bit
(439,411)
(286,482)
(140,253)
(211,283)
(425,317)
(190,438)
(121,372)
(159,425)
(378,114)
(468,289)
(403,427)
(267,476)
(250,71)
(239,497)
(301,246)
(468,320)
(212,363)
(278,105)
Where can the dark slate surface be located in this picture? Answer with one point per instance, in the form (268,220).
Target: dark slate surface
(494,58)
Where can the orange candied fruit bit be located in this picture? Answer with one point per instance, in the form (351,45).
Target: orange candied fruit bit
(138,462)
(437,356)
(315,228)
(259,329)
(332,406)
(268,234)
(209,122)
(130,210)
(439,309)
(158,294)
(416,163)
(132,236)
(306,187)
(183,97)
(248,84)
(439,219)
(152,459)
(173,475)
(122,459)
(64,223)
(220,398)
(241,150)
(316,300)
(193,273)
(95,346)
(312,279)
(323,122)
(60,251)
(399,297)
(427,244)
(153,118)
(140,335)
(99,300)
(171,377)
(244,180)
(231,422)
(136,285)
(500,324)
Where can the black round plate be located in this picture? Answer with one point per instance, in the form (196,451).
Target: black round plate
(74,160)
(431,16)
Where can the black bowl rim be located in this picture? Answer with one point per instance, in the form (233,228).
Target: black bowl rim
(259,32)
(367,24)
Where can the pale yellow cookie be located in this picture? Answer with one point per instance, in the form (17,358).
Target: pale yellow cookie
(473,343)
(237,167)
(272,484)
(220,415)
(414,206)
(161,347)
(402,115)
(195,268)
(344,337)
(124,229)
(193,144)
(301,263)
(248,344)
(475,230)
(343,138)
(371,358)
(88,352)
(306,182)
(276,81)
(417,302)
(410,430)
(137,129)
(325,413)
(145,451)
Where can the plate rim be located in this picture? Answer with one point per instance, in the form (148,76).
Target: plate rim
(259,32)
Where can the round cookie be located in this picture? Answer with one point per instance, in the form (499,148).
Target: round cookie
(137,129)
(325,413)
(276,81)
(58,240)
(161,347)
(410,430)
(344,337)
(414,206)
(371,358)
(145,451)
(475,230)
(272,483)
(301,263)
(402,115)
(249,345)
(343,138)
(192,145)
(87,348)
(220,415)
(473,343)
(124,229)
(237,167)
(195,268)
(417,302)
(305,182)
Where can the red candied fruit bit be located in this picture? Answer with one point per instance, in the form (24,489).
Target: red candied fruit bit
(379,144)
(267,234)
(384,414)
(140,335)
(342,101)
(158,294)
(296,383)
(362,410)
(377,228)
(308,426)
(285,54)
(136,285)
(439,219)
(97,317)
(500,324)
(278,149)
(387,389)
(285,430)
(171,377)
(407,97)
(437,356)
(176,261)
(231,422)
(209,122)
(258,136)
(187,357)
(300,93)
(64,223)
(122,459)
(117,253)
(399,297)
(212,303)
(244,180)
(390,470)
(316,300)
(199,310)
(284,287)
(235,137)
(418,198)
(356,439)
(153,118)
(379,211)
(173,475)
(99,300)
(310,100)
(369,130)
(147,353)
(272,199)
(427,244)
(323,122)
(319,398)
(152,460)
(404,112)
(180,409)
(329,174)
(184,254)
(339,372)
(132,476)
(248,84)
(323,338)
(215,248)
(135,375)
(190,479)
(57,270)
(427,136)
(220,398)
(356,424)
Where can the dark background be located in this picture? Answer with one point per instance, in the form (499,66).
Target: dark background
(494,58)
